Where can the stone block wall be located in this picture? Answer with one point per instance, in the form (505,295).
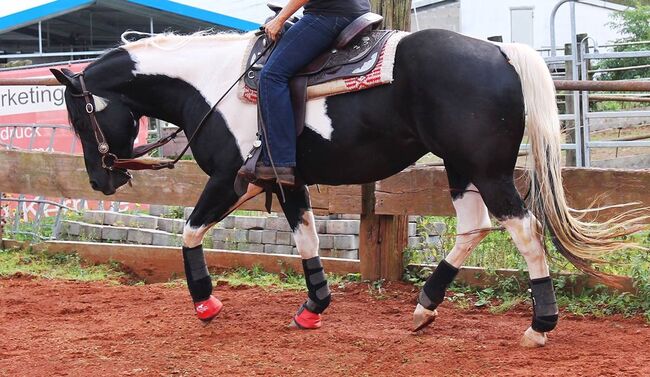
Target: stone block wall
(271,234)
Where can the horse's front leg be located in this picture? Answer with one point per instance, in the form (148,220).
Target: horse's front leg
(297,209)
(216,202)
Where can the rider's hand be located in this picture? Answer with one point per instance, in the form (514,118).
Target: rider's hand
(273,28)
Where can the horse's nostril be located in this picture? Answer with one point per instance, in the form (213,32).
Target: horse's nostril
(94,185)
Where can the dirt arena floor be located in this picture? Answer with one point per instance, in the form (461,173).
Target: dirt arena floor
(63,328)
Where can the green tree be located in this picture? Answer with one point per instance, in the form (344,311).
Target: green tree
(634,25)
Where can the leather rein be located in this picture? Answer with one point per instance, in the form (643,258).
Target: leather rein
(113,163)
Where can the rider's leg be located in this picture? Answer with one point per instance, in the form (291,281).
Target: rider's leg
(297,209)
(301,44)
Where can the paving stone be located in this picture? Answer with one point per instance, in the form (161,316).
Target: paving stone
(434,241)
(255,236)
(187,212)
(346,242)
(166,239)
(278,249)
(90,232)
(414,242)
(342,227)
(435,229)
(278,223)
(250,222)
(219,245)
(93,217)
(111,218)
(171,225)
(345,254)
(321,226)
(413,218)
(252,247)
(71,228)
(230,235)
(350,217)
(412,229)
(142,237)
(269,236)
(326,241)
(284,238)
(157,210)
(145,222)
(114,233)
(228,222)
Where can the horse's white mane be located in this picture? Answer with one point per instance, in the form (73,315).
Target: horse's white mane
(172,41)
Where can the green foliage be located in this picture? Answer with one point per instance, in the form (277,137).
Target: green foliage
(257,277)
(634,25)
(498,252)
(175,212)
(55,266)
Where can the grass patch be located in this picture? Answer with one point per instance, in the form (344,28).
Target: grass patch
(56,266)
(257,277)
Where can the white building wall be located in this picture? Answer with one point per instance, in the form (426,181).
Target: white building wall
(482,19)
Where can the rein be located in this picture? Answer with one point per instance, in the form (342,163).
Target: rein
(111,162)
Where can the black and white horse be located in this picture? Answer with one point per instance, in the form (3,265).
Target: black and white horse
(465,100)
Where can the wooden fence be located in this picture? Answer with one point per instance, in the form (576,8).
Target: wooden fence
(384,208)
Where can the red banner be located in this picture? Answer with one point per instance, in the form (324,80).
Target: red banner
(35,118)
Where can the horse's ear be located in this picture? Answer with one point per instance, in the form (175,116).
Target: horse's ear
(66,77)
(61,77)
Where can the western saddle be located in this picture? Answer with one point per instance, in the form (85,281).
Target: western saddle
(354,53)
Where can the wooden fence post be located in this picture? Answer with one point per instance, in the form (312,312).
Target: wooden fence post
(382,239)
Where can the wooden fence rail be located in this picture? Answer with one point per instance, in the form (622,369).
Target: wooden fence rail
(417,190)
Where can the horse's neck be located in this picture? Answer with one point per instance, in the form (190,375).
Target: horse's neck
(208,64)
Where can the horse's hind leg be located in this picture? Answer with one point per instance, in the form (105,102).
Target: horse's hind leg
(473,226)
(504,202)
(297,209)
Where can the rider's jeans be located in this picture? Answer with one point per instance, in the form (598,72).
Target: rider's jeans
(302,43)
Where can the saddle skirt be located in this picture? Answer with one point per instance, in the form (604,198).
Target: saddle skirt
(365,62)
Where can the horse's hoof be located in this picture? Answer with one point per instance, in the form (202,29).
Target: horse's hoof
(423,317)
(533,339)
(207,310)
(306,320)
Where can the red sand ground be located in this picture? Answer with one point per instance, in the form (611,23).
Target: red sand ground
(63,328)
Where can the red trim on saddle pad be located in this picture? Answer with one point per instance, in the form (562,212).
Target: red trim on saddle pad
(208,309)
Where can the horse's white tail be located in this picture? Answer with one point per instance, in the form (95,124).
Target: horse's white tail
(581,242)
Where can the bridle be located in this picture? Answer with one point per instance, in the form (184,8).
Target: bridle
(109,160)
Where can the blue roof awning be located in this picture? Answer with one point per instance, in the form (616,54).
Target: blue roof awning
(217,16)
(42,12)
(198,13)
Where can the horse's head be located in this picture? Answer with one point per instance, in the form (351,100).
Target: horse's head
(105,124)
